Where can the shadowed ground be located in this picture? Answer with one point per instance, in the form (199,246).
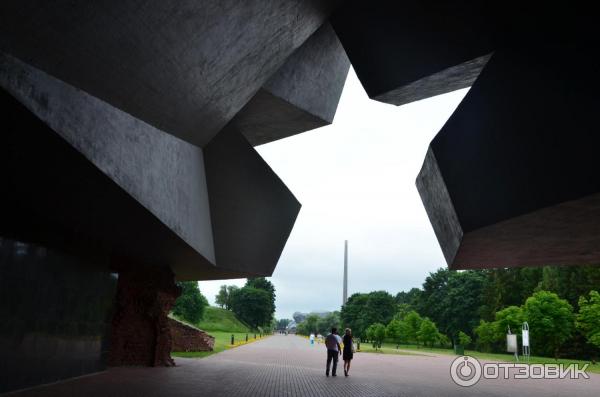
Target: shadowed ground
(288,366)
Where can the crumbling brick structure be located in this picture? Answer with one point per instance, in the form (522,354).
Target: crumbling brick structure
(140,326)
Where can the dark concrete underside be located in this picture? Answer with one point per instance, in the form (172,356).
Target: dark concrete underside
(185,67)
(302,95)
(53,195)
(518,162)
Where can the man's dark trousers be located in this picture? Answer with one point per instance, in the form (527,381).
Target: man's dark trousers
(332,355)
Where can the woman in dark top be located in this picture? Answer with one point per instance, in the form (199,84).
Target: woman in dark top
(348,353)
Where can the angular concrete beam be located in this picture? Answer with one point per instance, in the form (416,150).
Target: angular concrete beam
(511,179)
(163,173)
(186,67)
(86,176)
(302,95)
(252,211)
(411,50)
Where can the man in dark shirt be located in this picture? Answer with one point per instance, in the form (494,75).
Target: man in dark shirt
(332,342)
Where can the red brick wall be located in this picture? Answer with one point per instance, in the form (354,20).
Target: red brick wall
(185,338)
(140,327)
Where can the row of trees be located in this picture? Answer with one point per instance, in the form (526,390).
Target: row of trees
(480,305)
(254,303)
(551,318)
(319,324)
(407,328)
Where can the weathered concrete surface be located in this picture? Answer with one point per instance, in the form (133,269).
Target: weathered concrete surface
(438,203)
(56,197)
(411,50)
(564,234)
(163,173)
(518,162)
(252,210)
(289,366)
(302,95)
(185,67)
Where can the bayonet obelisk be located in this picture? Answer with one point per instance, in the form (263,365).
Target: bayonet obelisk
(345,272)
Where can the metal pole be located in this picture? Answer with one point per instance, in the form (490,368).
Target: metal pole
(525,339)
(345,298)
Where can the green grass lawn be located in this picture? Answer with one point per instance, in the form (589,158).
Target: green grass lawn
(389,348)
(217,319)
(221,324)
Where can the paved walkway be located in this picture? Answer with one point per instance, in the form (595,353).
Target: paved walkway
(288,366)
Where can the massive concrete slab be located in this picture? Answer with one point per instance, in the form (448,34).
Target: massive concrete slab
(252,210)
(302,95)
(185,67)
(511,179)
(88,176)
(411,50)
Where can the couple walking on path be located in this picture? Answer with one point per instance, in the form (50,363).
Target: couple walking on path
(334,350)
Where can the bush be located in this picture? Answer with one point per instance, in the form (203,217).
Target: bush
(464,339)
(588,319)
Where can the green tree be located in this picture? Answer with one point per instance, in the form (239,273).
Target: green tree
(222,297)
(413,325)
(325,323)
(253,306)
(588,318)
(511,317)
(402,310)
(443,340)
(507,287)
(191,303)
(352,314)
(282,323)
(464,339)
(309,325)
(396,331)
(265,285)
(428,332)
(570,282)
(231,290)
(376,334)
(551,321)
(486,335)
(361,310)
(452,300)
(410,298)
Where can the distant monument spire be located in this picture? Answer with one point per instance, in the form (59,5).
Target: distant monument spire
(345,299)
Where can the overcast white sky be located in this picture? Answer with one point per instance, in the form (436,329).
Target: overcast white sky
(356,181)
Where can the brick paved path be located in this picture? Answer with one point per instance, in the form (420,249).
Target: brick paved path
(289,366)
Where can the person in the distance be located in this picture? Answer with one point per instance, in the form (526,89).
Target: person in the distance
(348,350)
(332,343)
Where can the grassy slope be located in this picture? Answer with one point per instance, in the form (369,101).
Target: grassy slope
(217,319)
(221,324)
(389,348)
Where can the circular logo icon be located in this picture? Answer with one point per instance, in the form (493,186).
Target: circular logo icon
(465,371)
